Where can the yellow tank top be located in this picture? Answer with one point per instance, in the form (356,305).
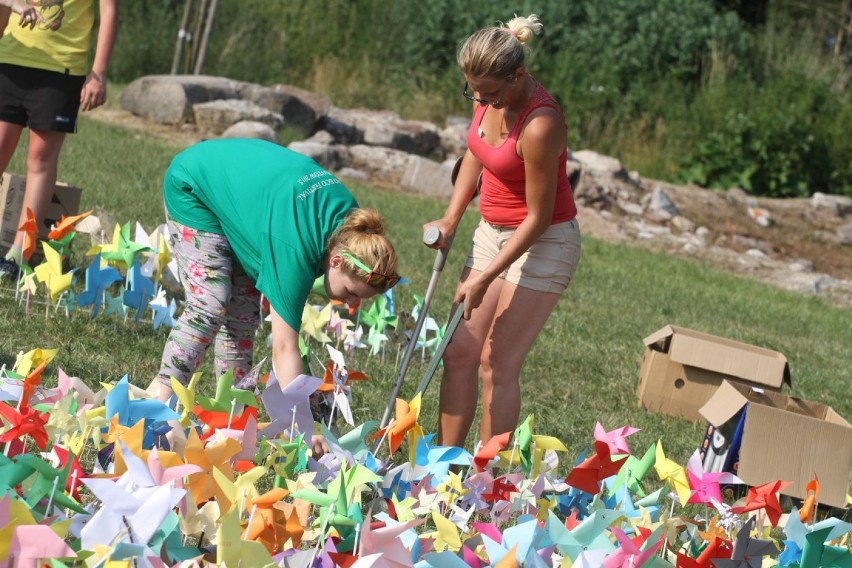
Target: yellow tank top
(65,50)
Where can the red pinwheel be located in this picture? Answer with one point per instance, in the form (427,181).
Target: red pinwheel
(501,490)
(24,422)
(764,497)
(594,469)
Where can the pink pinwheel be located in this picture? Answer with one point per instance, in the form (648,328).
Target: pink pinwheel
(705,486)
(629,554)
(615,439)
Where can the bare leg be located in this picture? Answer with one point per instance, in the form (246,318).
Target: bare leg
(519,318)
(460,382)
(42,166)
(10,134)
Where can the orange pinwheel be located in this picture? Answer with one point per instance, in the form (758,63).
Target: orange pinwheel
(405,421)
(32,380)
(491,448)
(764,497)
(270,525)
(806,513)
(30,230)
(328,377)
(66,225)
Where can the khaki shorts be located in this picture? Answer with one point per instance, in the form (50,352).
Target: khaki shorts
(547,266)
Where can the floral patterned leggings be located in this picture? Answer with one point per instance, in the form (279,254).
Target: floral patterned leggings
(221,302)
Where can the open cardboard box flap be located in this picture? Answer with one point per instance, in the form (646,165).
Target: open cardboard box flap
(724,356)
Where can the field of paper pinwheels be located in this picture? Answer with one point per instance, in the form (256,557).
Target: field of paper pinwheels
(94,474)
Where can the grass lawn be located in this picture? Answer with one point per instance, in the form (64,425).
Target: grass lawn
(584,367)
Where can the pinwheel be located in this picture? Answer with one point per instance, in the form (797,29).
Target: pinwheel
(588,474)
(98,277)
(164,312)
(629,554)
(529,448)
(45,484)
(489,451)
(615,439)
(50,272)
(705,486)
(232,550)
(314,322)
(32,543)
(673,474)
(24,422)
(140,290)
(817,553)
(806,513)
(65,225)
(122,251)
(764,497)
(30,230)
(270,525)
(216,455)
(289,408)
(405,422)
(378,316)
(748,552)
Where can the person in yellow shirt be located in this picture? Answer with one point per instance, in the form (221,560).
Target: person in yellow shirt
(44,83)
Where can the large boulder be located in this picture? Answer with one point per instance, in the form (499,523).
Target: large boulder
(168,99)
(301,109)
(381,128)
(217,116)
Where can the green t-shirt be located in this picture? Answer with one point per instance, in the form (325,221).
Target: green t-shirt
(276,207)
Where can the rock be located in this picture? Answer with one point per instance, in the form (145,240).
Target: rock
(682,225)
(840,204)
(168,99)
(427,177)
(252,129)
(844,234)
(760,216)
(385,164)
(736,196)
(661,203)
(382,128)
(217,116)
(599,164)
(289,102)
(325,155)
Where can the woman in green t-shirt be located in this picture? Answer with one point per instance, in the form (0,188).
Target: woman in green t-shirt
(249,217)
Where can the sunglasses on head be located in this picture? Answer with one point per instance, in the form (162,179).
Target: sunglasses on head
(374,277)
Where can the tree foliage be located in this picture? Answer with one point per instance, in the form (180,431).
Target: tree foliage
(728,92)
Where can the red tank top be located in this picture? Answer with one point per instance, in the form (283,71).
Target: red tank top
(502,198)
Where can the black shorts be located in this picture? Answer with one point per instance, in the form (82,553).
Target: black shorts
(39,99)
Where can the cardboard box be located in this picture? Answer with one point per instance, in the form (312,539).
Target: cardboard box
(65,201)
(773,436)
(682,369)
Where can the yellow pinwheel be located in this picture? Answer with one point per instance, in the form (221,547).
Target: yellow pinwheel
(673,474)
(50,272)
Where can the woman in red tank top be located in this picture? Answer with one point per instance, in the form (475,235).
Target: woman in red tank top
(527,246)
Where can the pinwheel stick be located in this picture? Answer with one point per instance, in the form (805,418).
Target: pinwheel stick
(50,499)
(292,425)
(384,435)
(231,413)
(251,519)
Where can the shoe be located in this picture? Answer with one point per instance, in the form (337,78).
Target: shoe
(9,269)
